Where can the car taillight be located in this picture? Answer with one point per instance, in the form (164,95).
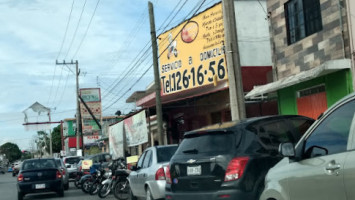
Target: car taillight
(167,175)
(59,175)
(80,169)
(63,171)
(236,168)
(160,174)
(20,178)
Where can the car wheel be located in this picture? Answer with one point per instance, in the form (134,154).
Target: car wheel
(20,195)
(148,195)
(66,186)
(61,192)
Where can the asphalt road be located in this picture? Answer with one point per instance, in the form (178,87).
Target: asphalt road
(8,191)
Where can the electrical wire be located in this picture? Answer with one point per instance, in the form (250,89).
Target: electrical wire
(87,29)
(76,30)
(152,65)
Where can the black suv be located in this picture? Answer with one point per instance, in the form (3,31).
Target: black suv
(230,160)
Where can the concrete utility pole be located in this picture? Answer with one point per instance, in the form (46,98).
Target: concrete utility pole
(77,100)
(156,74)
(236,94)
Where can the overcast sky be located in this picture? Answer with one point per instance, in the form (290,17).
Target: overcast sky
(34,33)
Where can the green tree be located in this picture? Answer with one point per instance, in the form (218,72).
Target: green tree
(43,140)
(11,151)
(56,139)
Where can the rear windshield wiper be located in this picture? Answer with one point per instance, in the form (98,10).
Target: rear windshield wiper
(194,151)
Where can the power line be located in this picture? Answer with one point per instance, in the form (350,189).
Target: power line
(152,65)
(130,69)
(60,50)
(76,30)
(66,31)
(87,29)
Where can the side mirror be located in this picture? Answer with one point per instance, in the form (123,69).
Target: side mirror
(287,150)
(67,165)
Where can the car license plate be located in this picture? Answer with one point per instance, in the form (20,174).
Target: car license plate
(40,186)
(194,170)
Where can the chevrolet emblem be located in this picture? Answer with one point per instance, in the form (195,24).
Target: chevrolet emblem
(191,161)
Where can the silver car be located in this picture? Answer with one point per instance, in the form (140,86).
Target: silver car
(147,179)
(65,173)
(322,164)
(71,164)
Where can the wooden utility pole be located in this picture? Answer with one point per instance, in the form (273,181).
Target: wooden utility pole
(236,95)
(78,133)
(156,74)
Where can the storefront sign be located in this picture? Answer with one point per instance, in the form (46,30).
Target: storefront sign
(91,139)
(90,94)
(193,54)
(116,144)
(136,130)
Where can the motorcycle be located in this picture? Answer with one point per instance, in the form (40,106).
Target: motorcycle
(86,181)
(119,174)
(101,176)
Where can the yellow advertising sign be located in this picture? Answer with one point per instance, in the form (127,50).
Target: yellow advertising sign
(86,164)
(193,54)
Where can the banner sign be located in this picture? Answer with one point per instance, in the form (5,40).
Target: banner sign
(90,94)
(92,98)
(192,54)
(90,127)
(91,139)
(136,129)
(116,144)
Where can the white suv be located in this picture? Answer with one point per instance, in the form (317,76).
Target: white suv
(71,164)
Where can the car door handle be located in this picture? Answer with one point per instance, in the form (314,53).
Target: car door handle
(333,167)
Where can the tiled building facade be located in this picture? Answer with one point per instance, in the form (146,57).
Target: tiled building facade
(311,55)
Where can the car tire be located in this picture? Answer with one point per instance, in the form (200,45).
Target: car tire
(20,195)
(61,192)
(148,194)
(66,186)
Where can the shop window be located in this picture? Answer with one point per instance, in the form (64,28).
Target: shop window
(303,18)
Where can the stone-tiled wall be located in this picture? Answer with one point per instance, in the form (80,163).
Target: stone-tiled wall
(313,50)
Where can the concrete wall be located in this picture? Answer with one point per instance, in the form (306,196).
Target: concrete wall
(309,52)
(253,33)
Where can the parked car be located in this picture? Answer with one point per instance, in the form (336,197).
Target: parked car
(65,173)
(16,168)
(322,164)
(147,179)
(71,164)
(39,175)
(230,160)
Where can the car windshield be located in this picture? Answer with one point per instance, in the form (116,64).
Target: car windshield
(164,154)
(212,142)
(39,164)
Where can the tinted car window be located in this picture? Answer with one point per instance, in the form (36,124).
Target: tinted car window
(164,154)
(38,164)
(301,126)
(147,159)
(58,163)
(73,160)
(333,133)
(213,143)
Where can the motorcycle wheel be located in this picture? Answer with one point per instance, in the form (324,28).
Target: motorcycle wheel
(94,189)
(121,190)
(104,190)
(86,186)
